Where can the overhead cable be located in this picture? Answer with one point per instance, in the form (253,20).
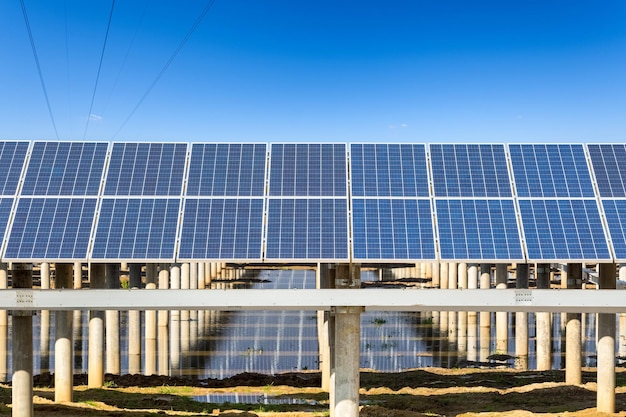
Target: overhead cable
(167,64)
(43,84)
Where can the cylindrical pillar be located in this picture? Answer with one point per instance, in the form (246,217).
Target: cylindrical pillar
(163,328)
(573,341)
(435,275)
(485,316)
(606,346)
(322,278)
(4,328)
(502,325)
(175,283)
(77,275)
(543,326)
(112,334)
(521,320)
(22,352)
(134,323)
(150,365)
(95,377)
(472,316)
(63,346)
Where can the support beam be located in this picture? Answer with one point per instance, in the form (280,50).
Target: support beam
(322,279)
(606,346)
(22,353)
(63,345)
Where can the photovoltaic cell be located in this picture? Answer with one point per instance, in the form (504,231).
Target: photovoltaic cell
(609,167)
(65,169)
(12,157)
(303,170)
(470,171)
(312,229)
(136,228)
(51,228)
(551,171)
(478,230)
(227,170)
(563,230)
(6,205)
(615,212)
(395,229)
(218,228)
(146,169)
(382,170)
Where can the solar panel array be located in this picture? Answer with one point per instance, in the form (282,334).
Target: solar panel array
(379,203)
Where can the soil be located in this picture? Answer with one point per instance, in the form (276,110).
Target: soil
(415,393)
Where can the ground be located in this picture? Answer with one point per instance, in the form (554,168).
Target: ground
(416,393)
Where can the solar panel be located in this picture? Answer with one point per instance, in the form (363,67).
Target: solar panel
(136,228)
(615,212)
(315,170)
(225,229)
(394,229)
(65,169)
(12,157)
(563,230)
(146,169)
(51,229)
(609,167)
(470,171)
(381,170)
(307,229)
(227,170)
(6,206)
(478,230)
(551,171)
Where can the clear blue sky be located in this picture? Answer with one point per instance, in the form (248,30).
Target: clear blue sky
(290,71)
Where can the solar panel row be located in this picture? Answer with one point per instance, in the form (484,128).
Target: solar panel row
(400,202)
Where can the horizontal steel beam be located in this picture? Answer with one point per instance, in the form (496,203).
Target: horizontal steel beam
(555,300)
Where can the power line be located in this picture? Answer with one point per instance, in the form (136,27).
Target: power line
(168,63)
(43,84)
(95,87)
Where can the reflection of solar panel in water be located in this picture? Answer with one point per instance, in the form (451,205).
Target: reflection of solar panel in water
(551,171)
(146,169)
(609,166)
(136,228)
(478,230)
(563,230)
(12,157)
(313,228)
(470,171)
(227,170)
(222,229)
(382,170)
(64,169)
(316,170)
(51,229)
(392,229)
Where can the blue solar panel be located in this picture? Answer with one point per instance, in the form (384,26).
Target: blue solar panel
(6,205)
(227,170)
(394,229)
(136,228)
(470,171)
(314,229)
(615,212)
(478,230)
(315,170)
(388,170)
(12,157)
(51,228)
(551,171)
(563,230)
(65,169)
(146,169)
(609,166)
(224,229)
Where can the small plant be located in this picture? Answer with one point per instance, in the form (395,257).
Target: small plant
(378,321)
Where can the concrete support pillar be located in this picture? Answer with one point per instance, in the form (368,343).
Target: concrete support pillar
(344,401)
(485,316)
(622,317)
(521,320)
(435,275)
(606,346)
(44,320)
(163,328)
(112,333)
(4,328)
(185,315)
(77,275)
(95,377)
(323,280)
(134,324)
(175,362)
(543,326)
(472,316)
(573,341)
(502,325)
(22,352)
(452,316)
(443,274)
(150,336)
(63,345)
(462,315)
